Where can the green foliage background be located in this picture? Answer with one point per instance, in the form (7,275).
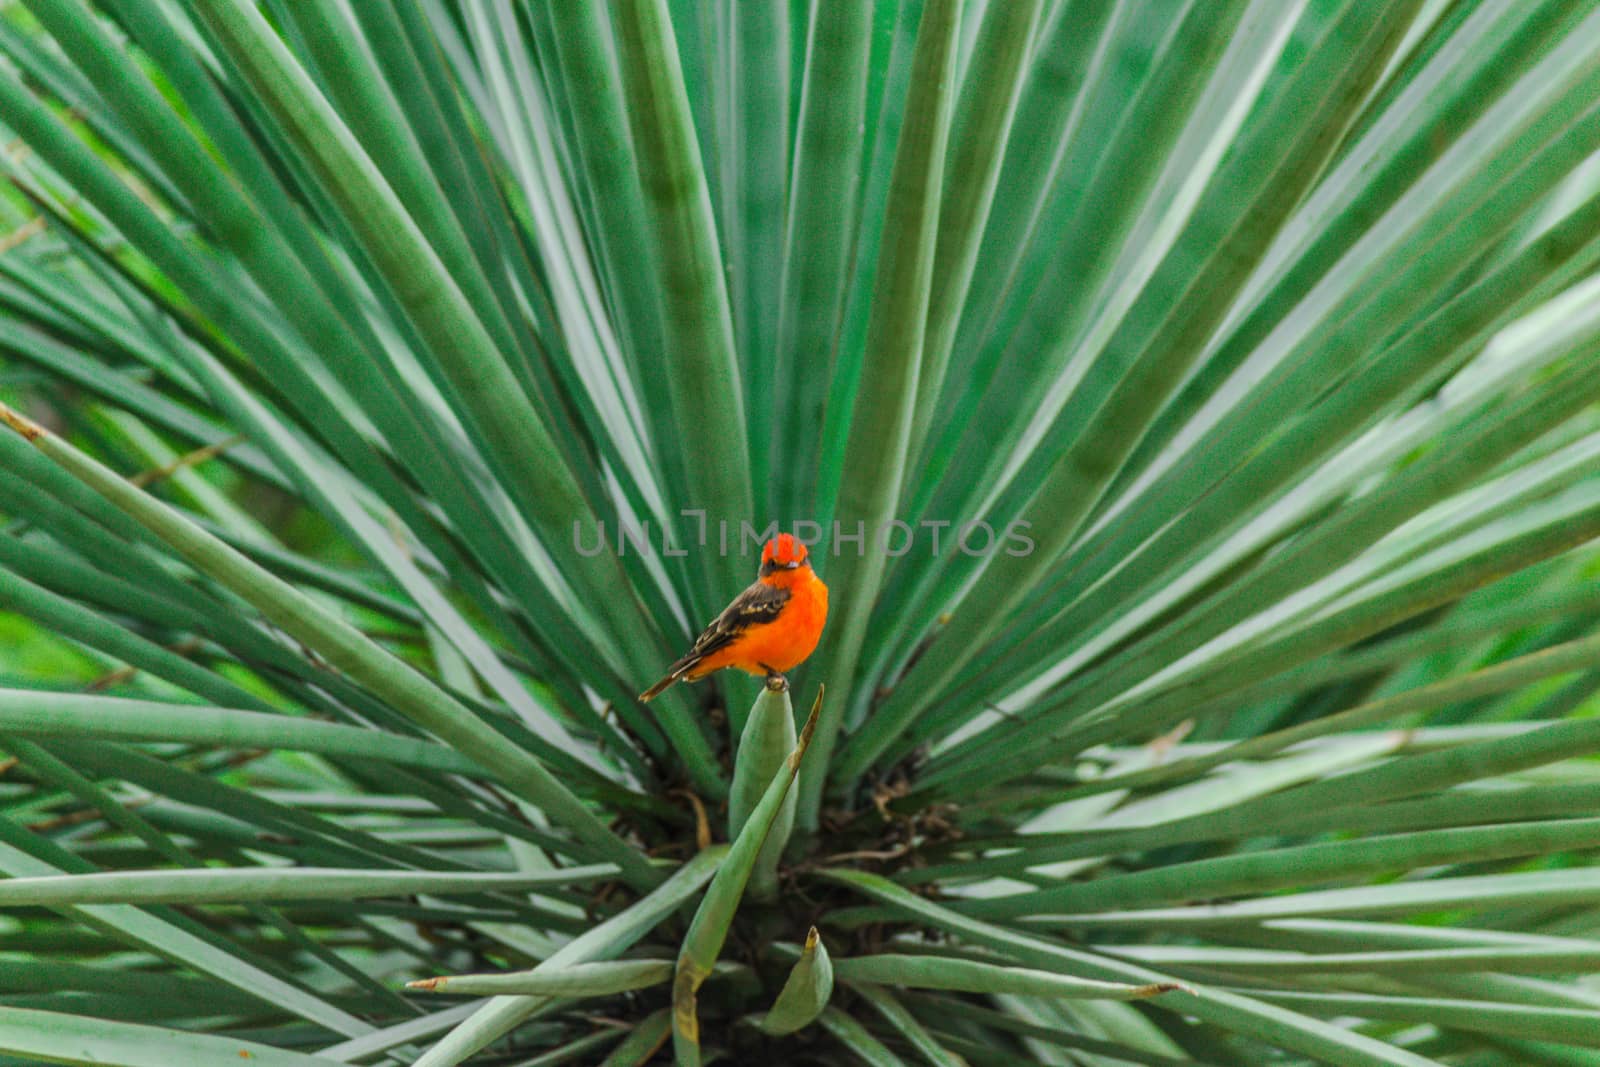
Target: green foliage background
(334,329)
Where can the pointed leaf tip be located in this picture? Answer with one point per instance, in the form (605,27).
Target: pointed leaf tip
(807,730)
(29,429)
(971,976)
(806,991)
(602,978)
(1155,989)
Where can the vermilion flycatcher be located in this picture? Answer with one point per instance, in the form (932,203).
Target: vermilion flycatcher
(769,629)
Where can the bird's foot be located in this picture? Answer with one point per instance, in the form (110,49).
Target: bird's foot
(776,681)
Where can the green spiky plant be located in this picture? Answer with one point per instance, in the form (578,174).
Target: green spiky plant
(397,386)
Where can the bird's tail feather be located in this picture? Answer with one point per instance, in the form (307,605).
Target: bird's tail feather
(656,690)
(679,669)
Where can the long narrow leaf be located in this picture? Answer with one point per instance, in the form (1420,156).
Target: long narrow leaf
(708,930)
(342,646)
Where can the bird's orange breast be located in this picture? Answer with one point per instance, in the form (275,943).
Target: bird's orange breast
(782,644)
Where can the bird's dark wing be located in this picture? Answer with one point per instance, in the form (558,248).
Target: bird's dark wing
(758,604)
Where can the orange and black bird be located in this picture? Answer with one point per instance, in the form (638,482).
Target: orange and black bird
(769,629)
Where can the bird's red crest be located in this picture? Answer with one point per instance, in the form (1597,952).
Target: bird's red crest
(784,549)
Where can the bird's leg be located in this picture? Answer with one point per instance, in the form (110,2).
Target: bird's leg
(776,681)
